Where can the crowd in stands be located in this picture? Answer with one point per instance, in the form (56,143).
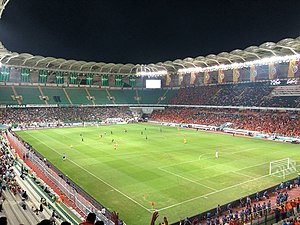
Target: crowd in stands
(280,123)
(233,95)
(282,101)
(62,114)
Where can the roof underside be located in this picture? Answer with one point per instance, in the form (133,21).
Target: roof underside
(284,47)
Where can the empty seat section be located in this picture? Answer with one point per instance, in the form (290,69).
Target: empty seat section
(78,96)
(55,95)
(124,96)
(5,96)
(151,96)
(100,95)
(30,95)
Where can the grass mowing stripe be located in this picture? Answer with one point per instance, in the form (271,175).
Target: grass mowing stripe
(98,178)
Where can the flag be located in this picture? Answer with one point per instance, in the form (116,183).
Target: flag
(118,80)
(294,69)
(104,80)
(272,71)
(168,79)
(192,77)
(25,75)
(43,76)
(132,80)
(253,73)
(207,77)
(180,79)
(221,76)
(73,77)
(89,79)
(236,75)
(59,77)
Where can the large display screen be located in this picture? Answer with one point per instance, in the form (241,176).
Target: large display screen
(153,83)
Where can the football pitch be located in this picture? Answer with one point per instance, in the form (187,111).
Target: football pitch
(153,163)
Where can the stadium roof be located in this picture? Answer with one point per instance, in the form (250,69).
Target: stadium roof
(284,47)
(3,3)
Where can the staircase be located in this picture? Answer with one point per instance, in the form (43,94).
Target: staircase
(109,96)
(89,95)
(42,94)
(16,94)
(68,97)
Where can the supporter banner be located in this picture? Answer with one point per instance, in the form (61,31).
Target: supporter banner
(194,77)
(59,76)
(43,76)
(73,77)
(4,73)
(236,75)
(89,79)
(118,80)
(15,106)
(168,79)
(180,79)
(221,76)
(272,71)
(132,80)
(253,73)
(207,77)
(25,75)
(51,85)
(294,69)
(41,106)
(104,80)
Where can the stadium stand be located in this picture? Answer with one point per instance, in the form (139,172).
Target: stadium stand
(223,95)
(44,89)
(78,96)
(30,95)
(6,94)
(100,95)
(82,96)
(123,96)
(55,95)
(28,116)
(265,121)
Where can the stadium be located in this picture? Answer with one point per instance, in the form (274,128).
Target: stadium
(201,140)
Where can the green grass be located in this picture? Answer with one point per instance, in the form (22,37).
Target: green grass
(182,179)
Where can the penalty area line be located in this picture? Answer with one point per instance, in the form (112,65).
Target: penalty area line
(182,177)
(211,193)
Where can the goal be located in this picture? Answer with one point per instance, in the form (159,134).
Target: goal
(282,167)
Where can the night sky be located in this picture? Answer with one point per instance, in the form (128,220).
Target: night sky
(144,31)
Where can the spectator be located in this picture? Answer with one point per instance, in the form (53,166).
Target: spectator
(67,223)
(44,222)
(3,220)
(90,219)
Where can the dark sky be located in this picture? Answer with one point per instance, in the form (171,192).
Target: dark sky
(144,31)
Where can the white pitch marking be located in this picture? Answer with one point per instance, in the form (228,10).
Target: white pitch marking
(117,190)
(195,182)
(211,193)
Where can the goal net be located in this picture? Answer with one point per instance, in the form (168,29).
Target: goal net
(282,167)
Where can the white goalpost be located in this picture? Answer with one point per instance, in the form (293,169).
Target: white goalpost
(282,167)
